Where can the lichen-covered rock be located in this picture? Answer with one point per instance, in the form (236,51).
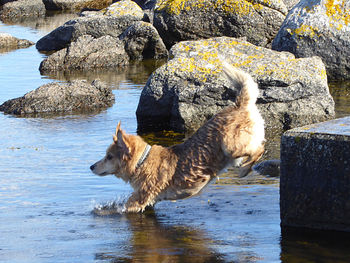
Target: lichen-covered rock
(142,41)
(76,95)
(190,88)
(319,28)
(87,53)
(22,8)
(8,42)
(258,20)
(95,26)
(124,8)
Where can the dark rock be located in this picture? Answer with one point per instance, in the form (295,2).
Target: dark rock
(76,95)
(269,168)
(315,169)
(319,28)
(142,41)
(196,19)
(189,89)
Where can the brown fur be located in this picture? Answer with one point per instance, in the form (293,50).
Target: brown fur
(183,170)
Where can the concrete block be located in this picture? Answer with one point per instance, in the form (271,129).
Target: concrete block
(315,176)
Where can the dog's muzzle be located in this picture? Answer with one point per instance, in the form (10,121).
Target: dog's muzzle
(92,167)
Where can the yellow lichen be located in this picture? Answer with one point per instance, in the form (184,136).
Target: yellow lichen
(337,13)
(241,7)
(306,30)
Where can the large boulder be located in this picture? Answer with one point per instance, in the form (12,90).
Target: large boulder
(8,42)
(77,95)
(189,89)
(87,53)
(22,8)
(258,20)
(95,26)
(319,28)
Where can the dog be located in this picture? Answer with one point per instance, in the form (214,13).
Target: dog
(232,137)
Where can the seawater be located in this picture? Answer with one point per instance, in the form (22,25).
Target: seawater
(53,209)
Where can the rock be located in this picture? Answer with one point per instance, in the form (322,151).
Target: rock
(142,41)
(196,19)
(95,26)
(290,3)
(76,95)
(8,42)
(124,8)
(319,28)
(75,4)
(22,8)
(315,169)
(189,89)
(87,53)
(269,168)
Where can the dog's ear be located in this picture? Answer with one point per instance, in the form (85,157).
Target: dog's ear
(119,139)
(115,136)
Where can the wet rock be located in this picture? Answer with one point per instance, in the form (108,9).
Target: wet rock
(269,168)
(22,8)
(87,53)
(197,19)
(8,42)
(189,89)
(319,28)
(142,41)
(315,168)
(76,95)
(95,26)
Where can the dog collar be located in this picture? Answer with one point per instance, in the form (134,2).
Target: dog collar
(144,155)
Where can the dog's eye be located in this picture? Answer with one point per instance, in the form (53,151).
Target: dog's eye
(109,157)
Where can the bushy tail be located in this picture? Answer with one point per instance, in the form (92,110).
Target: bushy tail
(249,91)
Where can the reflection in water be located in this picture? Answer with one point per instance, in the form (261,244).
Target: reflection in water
(152,241)
(137,72)
(341,95)
(299,245)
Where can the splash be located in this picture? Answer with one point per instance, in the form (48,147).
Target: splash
(113,207)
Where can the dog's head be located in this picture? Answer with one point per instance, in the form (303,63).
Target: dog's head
(117,155)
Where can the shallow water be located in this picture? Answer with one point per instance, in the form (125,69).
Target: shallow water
(48,195)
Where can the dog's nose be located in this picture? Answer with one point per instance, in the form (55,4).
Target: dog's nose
(92,167)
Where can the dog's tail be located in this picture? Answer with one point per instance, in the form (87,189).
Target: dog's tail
(249,91)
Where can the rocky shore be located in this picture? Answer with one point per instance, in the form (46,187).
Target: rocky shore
(196,36)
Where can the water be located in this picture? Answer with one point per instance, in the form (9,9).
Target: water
(51,204)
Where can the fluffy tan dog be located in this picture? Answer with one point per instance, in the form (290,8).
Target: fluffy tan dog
(235,136)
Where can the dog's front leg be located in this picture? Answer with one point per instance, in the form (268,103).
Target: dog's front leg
(136,204)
